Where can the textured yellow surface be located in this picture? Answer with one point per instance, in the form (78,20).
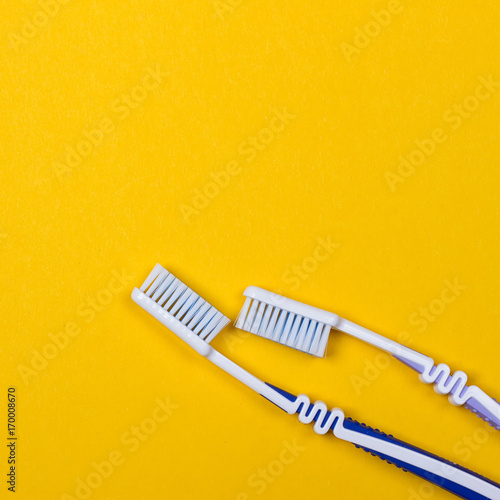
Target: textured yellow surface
(228,140)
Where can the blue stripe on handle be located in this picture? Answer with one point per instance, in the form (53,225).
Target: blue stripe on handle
(287,395)
(446,484)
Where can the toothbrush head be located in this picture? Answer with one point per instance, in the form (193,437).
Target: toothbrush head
(286,321)
(178,307)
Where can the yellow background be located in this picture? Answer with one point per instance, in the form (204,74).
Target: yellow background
(324,176)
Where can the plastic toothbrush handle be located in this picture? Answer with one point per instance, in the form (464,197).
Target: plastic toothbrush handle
(443,473)
(454,385)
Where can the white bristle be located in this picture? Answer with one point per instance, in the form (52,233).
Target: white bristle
(183,304)
(285,321)
(243,314)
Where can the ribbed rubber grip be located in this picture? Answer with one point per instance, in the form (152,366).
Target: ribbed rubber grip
(445,475)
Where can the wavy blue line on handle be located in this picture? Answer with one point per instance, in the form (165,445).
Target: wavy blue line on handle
(354,426)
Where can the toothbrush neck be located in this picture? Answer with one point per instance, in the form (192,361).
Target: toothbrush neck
(250,380)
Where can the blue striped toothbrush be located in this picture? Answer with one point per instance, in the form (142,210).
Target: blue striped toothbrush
(197,322)
(307,329)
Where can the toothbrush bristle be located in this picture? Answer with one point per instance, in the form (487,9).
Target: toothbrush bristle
(184,304)
(285,327)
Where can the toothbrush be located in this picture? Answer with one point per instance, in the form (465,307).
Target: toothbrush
(307,328)
(197,322)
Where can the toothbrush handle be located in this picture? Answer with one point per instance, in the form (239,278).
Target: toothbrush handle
(443,473)
(454,385)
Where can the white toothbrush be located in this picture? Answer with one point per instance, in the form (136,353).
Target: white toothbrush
(197,323)
(307,329)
